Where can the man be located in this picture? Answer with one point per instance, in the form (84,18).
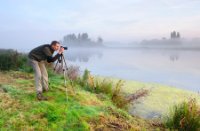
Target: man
(38,56)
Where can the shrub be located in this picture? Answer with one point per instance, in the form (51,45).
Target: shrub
(83,81)
(121,100)
(13,60)
(184,117)
(73,72)
(114,91)
(88,82)
(104,86)
(5,62)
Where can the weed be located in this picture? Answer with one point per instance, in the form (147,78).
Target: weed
(184,116)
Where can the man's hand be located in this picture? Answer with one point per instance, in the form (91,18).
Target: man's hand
(61,50)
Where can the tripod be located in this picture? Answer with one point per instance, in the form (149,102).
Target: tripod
(62,60)
(63,63)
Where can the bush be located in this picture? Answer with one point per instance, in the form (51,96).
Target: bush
(184,117)
(113,91)
(73,72)
(88,82)
(5,62)
(13,60)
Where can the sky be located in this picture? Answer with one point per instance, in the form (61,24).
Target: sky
(28,23)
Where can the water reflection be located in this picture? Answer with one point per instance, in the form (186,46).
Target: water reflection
(174,57)
(180,68)
(83,55)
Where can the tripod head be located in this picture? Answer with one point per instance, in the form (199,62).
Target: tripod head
(61,60)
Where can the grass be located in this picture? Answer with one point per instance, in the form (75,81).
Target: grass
(109,88)
(89,104)
(81,110)
(184,117)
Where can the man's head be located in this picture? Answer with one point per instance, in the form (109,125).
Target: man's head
(55,45)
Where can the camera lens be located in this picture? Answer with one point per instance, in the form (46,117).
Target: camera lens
(65,48)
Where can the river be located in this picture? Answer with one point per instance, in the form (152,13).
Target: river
(173,67)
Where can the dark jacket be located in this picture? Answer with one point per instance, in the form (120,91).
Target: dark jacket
(43,52)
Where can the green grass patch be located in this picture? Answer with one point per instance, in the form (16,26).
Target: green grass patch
(77,117)
(184,117)
(66,109)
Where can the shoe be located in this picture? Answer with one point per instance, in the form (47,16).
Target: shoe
(40,97)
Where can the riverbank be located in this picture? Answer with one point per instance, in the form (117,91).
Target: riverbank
(160,99)
(77,108)
(74,109)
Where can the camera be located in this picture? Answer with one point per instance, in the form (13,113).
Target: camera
(65,48)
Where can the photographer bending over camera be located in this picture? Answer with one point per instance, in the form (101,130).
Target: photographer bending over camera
(37,58)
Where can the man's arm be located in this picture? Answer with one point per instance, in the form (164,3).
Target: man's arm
(48,53)
(52,59)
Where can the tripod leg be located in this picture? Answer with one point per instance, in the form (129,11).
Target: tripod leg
(55,66)
(66,68)
(65,82)
(65,63)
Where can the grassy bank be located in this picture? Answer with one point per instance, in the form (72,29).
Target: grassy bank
(77,108)
(160,99)
(74,109)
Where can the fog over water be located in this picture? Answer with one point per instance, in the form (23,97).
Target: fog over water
(175,65)
(178,67)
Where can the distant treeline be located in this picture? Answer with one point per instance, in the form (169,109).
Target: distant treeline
(81,40)
(175,39)
(175,35)
(13,60)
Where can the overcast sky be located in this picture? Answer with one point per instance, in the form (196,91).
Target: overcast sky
(33,22)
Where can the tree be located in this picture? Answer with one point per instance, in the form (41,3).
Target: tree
(178,35)
(79,36)
(99,40)
(175,35)
(81,40)
(84,37)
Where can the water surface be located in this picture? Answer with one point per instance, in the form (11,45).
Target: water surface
(174,67)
